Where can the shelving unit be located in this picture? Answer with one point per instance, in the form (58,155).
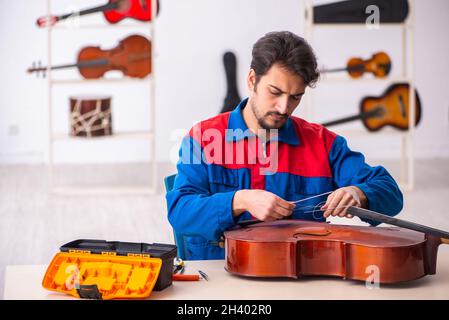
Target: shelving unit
(148,135)
(407,75)
(118,80)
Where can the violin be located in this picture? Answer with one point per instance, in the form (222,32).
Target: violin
(132,56)
(379,65)
(296,248)
(114,11)
(391,108)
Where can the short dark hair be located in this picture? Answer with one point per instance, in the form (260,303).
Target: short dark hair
(289,50)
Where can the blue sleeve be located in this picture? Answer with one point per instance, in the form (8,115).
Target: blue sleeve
(349,168)
(192,209)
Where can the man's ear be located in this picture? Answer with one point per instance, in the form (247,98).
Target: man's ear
(251,80)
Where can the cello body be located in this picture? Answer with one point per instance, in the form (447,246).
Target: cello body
(296,248)
(132,56)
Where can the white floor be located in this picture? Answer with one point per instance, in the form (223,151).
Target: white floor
(34,222)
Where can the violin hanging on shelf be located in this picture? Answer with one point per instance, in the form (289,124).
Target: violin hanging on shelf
(295,248)
(132,56)
(114,11)
(392,108)
(379,65)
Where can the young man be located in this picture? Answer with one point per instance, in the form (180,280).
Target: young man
(254,162)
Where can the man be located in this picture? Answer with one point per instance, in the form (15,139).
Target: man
(258,160)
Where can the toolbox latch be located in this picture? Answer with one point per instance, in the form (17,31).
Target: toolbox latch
(89,292)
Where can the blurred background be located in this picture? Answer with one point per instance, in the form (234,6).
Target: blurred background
(61,179)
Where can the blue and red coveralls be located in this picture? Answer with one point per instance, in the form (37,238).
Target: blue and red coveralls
(311,160)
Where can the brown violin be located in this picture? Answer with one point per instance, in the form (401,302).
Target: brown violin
(132,56)
(379,65)
(296,248)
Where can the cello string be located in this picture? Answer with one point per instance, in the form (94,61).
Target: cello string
(330,208)
(316,196)
(318,207)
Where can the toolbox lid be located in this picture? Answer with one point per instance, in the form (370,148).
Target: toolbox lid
(155,250)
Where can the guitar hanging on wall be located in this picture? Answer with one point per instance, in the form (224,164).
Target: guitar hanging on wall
(232,98)
(132,56)
(114,11)
(379,65)
(392,108)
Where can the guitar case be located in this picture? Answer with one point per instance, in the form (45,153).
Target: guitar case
(353,11)
(232,98)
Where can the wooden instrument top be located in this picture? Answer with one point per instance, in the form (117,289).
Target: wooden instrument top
(299,230)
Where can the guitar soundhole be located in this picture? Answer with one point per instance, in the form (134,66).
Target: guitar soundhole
(402,105)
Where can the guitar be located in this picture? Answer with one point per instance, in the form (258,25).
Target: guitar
(132,56)
(379,65)
(232,98)
(114,11)
(392,108)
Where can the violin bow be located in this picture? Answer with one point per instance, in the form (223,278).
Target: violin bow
(372,215)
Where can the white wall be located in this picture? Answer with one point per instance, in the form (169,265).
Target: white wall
(191,38)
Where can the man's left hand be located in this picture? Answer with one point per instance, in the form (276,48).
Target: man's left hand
(341,199)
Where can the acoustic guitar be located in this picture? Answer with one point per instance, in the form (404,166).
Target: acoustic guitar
(379,65)
(114,11)
(392,108)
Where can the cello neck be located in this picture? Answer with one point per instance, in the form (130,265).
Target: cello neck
(378,217)
(358,67)
(90,63)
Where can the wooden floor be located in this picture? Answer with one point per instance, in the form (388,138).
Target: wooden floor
(34,222)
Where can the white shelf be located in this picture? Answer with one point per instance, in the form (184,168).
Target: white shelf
(407,75)
(100,80)
(137,135)
(404,24)
(101,190)
(106,25)
(363,80)
(386,131)
(148,135)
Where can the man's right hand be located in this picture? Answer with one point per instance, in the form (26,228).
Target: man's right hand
(263,205)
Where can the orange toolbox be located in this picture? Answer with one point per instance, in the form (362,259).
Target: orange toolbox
(98,269)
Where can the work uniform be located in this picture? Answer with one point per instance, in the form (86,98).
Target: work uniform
(220,156)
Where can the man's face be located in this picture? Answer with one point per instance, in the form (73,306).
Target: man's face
(275,97)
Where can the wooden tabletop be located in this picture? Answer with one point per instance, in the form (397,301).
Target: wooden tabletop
(24,282)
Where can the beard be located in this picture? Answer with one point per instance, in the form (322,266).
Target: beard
(265,121)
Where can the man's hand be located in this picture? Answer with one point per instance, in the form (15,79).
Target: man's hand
(338,201)
(263,205)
